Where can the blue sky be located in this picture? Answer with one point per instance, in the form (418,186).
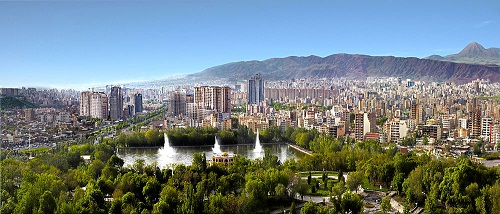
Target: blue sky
(78,44)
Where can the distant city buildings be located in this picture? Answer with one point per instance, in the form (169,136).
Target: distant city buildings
(204,106)
(10,91)
(392,110)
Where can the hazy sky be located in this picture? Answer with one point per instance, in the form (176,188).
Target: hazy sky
(76,44)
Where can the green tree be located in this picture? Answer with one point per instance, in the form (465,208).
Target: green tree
(489,201)
(256,190)
(292,208)
(116,206)
(281,193)
(477,148)
(170,196)
(151,191)
(189,200)
(432,199)
(47,203)
(413,186)
(351,203)
(385,205)
(215,204)
(354,180)
(309,208)
(397,182)
(199,162)
(161,207)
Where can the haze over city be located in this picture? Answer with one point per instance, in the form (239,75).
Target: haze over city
(67,44)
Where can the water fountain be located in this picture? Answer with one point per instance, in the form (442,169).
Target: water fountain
(167,149)
(216,148)
(258,147)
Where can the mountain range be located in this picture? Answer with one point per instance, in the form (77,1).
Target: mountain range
(458,68)
(473,53)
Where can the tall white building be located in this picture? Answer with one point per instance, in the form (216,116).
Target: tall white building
(398,129)
(486,128)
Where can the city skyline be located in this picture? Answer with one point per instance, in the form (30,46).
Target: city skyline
(84,44)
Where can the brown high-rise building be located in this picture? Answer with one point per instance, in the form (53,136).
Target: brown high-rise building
(358,126)
(85,103)
(177,103)
(213,98)
(363,123)
(475,123)
(29,114)
(417,113)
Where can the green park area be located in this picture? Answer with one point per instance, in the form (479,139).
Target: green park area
(60,181)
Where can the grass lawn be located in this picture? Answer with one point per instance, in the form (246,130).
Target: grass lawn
(35,150)
(495,98)
(317,174)
(369,186)
(322,192)
(273,204)
(490,155)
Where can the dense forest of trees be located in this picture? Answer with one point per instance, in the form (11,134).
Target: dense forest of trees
(61,182)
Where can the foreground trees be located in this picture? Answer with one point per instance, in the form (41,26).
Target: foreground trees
(63,183)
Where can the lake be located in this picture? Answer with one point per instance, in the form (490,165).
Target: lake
(169,156)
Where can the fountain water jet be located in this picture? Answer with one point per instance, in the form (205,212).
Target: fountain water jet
(258,147)
(216,148)
(167,149)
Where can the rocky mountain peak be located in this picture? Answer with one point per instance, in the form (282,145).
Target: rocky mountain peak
(473,49)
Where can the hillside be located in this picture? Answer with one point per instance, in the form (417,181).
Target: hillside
(9,102)
(352,66)
(473,53)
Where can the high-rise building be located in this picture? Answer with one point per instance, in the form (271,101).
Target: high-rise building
(358,127)
(363,123)
(177,103)
(94,104)
(29,114)
(398,129)
(85,103)
(116,103)
(213,98)
(417,113)
(487,128)
(99,105)
(138,102)
(475,123)
(255,90)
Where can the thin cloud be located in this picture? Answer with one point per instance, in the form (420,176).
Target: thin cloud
(483,24)
(445,49)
